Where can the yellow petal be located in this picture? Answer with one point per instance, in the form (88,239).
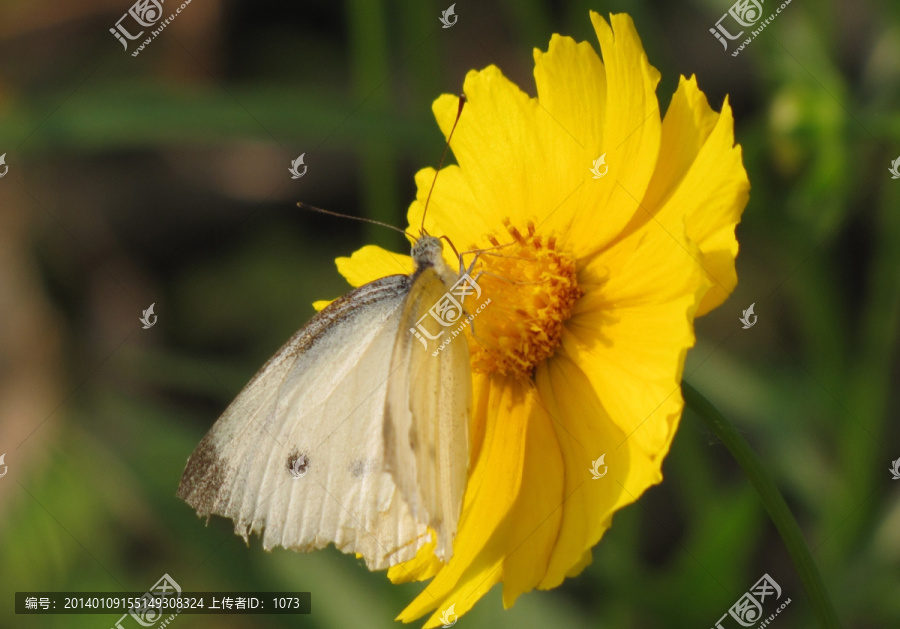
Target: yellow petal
(515,160)
(585,432)
(700,180)
(582,563)
(611,107)
(494,484)
(504,138)
(571,86)
(632,328)
(452,211)
(367,265)
(371,263)
(631,134)
(424,566)
(532,530)
(616,384)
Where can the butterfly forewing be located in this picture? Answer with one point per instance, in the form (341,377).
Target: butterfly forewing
(299,455)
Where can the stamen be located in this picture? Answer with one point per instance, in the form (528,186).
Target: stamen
(533,289)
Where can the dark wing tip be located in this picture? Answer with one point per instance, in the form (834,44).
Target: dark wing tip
(202,478)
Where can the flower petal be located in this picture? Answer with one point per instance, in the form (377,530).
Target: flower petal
(700,179)
(571,86)
(626,342)
(533,524)
(531,157)
(515,158)
(424,566)
(367,265)
(510,512)
(371,263)
(584,432)
(623,125)
(631,330)
(453,210)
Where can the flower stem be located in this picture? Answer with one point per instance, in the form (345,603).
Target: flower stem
(772,500)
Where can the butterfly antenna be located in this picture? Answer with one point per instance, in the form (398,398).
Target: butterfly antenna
(307,206)
(462,101)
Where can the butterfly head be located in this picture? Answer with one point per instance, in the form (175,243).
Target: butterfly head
(428,251)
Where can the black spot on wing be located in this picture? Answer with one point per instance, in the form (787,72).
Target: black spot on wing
(359,468)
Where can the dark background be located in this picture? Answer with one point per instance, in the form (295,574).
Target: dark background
(163,179)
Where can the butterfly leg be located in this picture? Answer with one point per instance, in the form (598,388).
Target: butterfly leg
(462,263)
(477,252)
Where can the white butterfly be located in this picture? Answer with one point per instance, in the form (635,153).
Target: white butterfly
(377,423)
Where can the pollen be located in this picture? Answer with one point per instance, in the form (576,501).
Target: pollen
(532,288)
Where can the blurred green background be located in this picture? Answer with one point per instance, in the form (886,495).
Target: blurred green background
(163,179)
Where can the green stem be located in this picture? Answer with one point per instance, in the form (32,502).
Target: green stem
(773,501)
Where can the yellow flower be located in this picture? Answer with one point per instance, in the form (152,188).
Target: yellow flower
(581,351)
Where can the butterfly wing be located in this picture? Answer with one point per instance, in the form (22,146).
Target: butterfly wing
(316,407)
(429,401)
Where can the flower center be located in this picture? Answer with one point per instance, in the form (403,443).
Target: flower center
(533,289)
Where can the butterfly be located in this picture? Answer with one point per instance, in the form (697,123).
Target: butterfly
(352,434)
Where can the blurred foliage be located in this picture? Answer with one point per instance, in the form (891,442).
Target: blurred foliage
(162,178)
